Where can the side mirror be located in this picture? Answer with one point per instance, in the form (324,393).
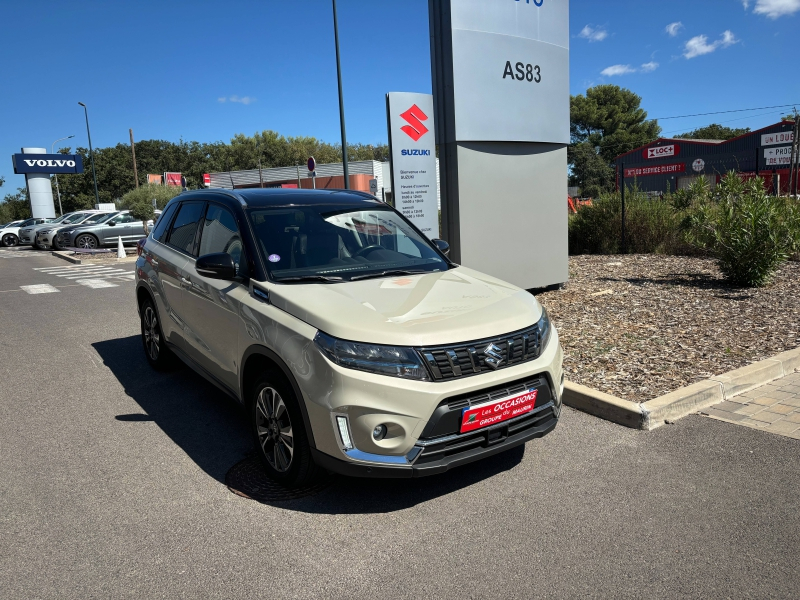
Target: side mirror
(111,223)
(443,246)
(219,265)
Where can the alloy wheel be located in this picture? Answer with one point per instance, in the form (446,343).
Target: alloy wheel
(274,429)
(9,240)
(86,241)
(152,337)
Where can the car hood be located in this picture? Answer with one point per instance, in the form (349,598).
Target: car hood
(86,226)
(453,306)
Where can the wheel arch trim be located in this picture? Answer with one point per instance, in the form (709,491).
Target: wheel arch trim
(257,349)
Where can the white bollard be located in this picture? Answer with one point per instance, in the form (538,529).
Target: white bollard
(120,249)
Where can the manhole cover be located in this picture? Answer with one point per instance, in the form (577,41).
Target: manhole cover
(248,480)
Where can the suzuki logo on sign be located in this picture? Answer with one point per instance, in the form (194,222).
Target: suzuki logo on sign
(414,117)
(661,151)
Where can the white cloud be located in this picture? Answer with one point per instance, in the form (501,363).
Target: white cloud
(776,8)
(649,67)
(746,4)
(617,70)
(240,100)
(673,28)
(698,45)
(593,34)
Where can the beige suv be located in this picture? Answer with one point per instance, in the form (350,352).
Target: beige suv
(351,340)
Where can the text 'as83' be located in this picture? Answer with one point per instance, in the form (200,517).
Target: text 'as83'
(523,72)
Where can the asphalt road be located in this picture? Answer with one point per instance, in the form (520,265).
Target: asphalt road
(112,485)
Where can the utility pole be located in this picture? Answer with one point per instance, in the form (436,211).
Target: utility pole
(58,191)
(133,152)
(341,100)
(260,177)
(91,153)
(622,178)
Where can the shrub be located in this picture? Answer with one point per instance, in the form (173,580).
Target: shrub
(146,193)
(652,225)
(749,232)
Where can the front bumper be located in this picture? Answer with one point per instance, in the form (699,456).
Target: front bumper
(422,435)
(453,452)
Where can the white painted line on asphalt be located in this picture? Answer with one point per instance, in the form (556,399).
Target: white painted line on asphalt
(42,288)
(96,283)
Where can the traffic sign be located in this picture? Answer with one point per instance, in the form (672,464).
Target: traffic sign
(312,164)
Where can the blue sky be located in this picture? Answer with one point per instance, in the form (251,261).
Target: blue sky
(208,70)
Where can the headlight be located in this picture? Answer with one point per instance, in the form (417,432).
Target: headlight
(46,232)
(68,232)
(396,361)
(544,328)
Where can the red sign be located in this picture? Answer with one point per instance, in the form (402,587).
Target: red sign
(655,170)
(207,179)
(498,411)
(662,151)
(173,179)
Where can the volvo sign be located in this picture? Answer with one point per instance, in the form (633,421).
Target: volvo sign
(47,163)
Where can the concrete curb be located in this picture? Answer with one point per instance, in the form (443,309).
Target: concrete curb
(684,401)
(72,259)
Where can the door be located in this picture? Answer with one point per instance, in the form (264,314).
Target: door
(211,306)
(122,226)
(174,251)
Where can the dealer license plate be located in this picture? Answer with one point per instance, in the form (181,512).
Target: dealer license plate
(497,411)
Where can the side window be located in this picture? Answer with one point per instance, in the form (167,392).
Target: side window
(163,221)
(124,219)
(181,235)
(220,234)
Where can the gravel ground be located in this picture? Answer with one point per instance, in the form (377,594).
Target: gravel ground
(640,326)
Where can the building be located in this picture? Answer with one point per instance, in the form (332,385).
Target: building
(329,176)
(668,164)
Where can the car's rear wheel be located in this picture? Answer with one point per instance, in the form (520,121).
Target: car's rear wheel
(279,433)
(10,240)
(86,241)
(55,244)
(158,354)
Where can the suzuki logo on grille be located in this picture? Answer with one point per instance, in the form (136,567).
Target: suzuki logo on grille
(492,356)
(414,117)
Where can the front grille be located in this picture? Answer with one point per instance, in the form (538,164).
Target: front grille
(471,358)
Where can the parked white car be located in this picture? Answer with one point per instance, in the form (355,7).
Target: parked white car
(9,236)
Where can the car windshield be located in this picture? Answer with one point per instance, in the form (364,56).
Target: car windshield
(73,218)
(325,243)
(62,219)
(28,222)
(97,218)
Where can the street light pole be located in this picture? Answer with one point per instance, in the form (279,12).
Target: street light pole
(91,153)
(58,192)
(341,99)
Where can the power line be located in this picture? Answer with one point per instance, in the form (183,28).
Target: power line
(721,112)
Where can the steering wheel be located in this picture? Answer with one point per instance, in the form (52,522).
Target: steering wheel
(369,248)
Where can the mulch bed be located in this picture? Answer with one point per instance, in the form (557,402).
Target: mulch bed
(639,326)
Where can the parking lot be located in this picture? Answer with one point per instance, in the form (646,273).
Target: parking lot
(112,484)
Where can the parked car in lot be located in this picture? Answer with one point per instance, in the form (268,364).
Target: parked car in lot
(9,236)
(352,340)
(28,235)
(11,224)
(46,235)
(106,233)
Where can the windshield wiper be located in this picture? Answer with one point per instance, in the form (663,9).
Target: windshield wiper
(389,273)
(311,278)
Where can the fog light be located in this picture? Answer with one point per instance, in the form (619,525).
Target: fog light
(379,432)
(344,432)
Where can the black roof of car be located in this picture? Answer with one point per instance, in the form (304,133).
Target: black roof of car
(258,198)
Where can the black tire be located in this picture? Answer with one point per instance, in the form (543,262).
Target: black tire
(155,347)
(87,241)
(280,436)
(55,245)
(10,240)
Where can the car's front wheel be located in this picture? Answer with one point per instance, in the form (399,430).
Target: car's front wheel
(279,433)
(158,354)
(10,240)
(86,241)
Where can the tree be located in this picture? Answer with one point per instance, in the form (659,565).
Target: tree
(15,206)
(714,132)
(607,121)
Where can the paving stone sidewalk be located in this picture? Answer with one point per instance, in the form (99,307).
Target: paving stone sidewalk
(774,407)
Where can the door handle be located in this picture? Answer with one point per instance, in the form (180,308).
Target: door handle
(185,281)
